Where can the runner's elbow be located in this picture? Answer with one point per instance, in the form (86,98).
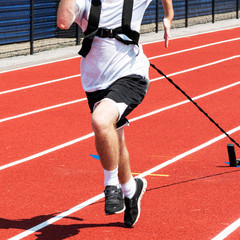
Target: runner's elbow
(65,18)
(63,24)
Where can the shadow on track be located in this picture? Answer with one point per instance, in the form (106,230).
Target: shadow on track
(52,232)
(194,179)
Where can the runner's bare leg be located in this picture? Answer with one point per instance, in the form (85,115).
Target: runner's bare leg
(110,143)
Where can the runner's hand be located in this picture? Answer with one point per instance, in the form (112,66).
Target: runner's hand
(167,28)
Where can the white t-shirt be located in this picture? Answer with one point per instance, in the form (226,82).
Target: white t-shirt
(110,59)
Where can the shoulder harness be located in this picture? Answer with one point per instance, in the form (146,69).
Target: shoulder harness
(93,30)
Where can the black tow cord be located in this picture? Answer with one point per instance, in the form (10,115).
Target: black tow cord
(199,108)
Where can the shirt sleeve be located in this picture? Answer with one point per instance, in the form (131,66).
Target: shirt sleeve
(80,7)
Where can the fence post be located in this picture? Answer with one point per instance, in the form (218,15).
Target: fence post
(213,11)
(237,8)
(157,12)
(186,13)
(31,26)
(77,35)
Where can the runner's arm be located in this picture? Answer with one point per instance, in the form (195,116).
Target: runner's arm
(167,21)
(66,14)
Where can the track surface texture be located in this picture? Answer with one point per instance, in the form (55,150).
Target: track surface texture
(52,189)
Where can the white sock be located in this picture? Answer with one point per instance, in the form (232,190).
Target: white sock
(111,177)
(129,188)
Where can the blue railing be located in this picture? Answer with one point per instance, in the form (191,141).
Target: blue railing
(15,20)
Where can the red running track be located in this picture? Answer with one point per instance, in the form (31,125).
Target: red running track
(189,196)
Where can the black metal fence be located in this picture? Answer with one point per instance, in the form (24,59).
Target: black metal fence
(28,26)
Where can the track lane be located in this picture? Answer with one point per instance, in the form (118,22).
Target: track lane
(195,203)
(26,136)
(198,57)
(39,74)
(40,97)
(190,41)
(194,83)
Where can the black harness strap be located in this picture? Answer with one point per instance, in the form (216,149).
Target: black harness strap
(93,30)
(92,27)
(126,25)
(126,21)
(127,14)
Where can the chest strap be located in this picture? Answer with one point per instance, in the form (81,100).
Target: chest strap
(93,30)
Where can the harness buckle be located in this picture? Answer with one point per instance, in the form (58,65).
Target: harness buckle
(104,32)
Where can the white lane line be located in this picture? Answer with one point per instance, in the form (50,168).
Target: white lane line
(146,43)
(57,218)
(198,67)
(153,80)
(195,48)
(46,151)
(39,84)
(42,109)
(100,196)
(183,102)
(192,35)
(39,64)
(227,231)
(193,150)
(159,56)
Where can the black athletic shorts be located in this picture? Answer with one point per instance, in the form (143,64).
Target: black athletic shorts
(129,90)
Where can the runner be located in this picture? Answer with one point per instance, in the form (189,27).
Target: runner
(114,73)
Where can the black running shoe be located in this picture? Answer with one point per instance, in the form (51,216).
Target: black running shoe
(114,202)
(133,209)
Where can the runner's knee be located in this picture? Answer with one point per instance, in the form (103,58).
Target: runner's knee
(100,124)
(104,118)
